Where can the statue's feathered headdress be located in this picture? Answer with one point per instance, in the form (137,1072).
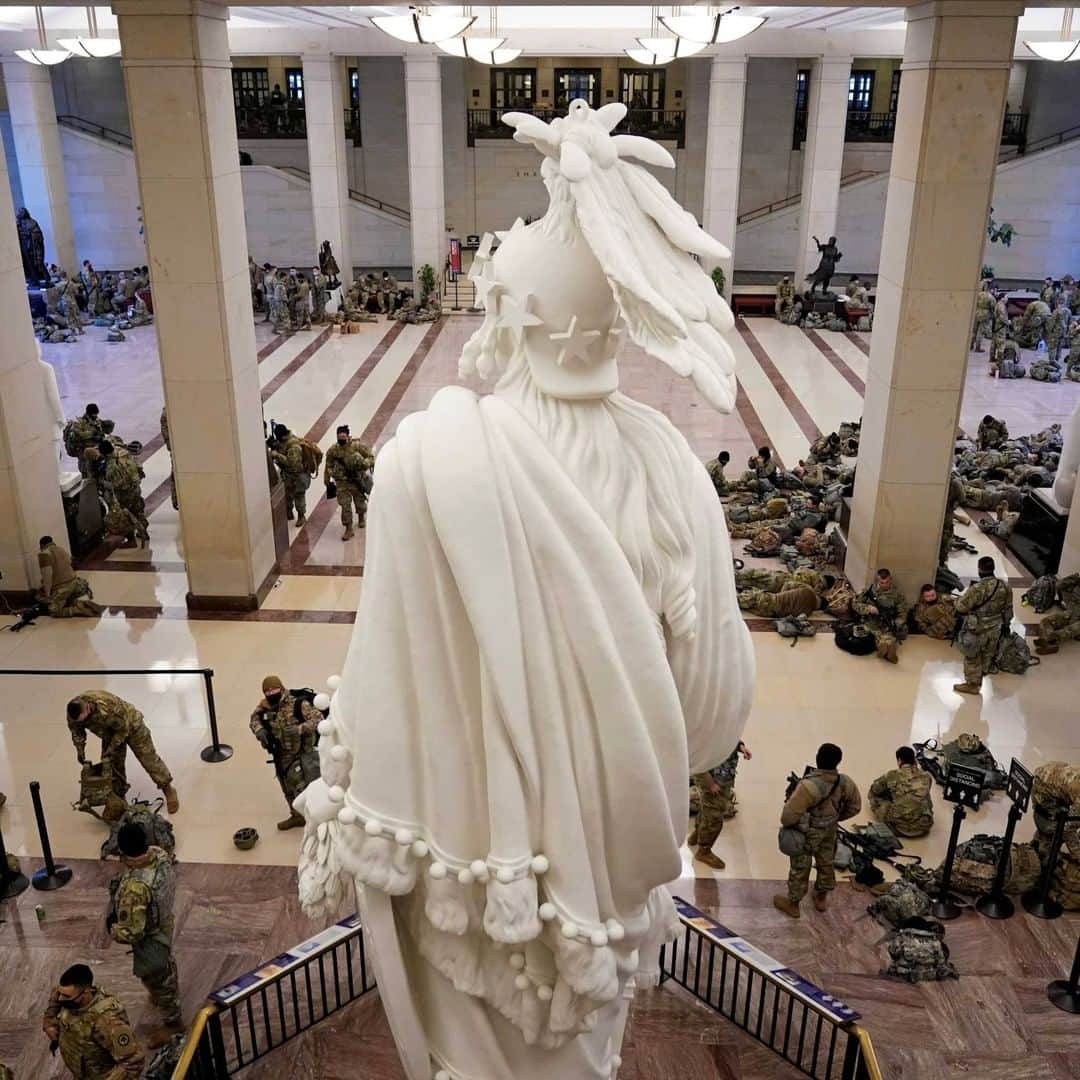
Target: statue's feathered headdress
(643,240)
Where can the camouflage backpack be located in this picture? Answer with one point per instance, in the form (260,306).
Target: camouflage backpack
(878,840)
(159,831)
(795,627)
(1013,656)
(976,864)
(810,543)
(966,749)
(1042,595)
(918,952)
(163,1064)
(764,544)
(904,901)
(838,598)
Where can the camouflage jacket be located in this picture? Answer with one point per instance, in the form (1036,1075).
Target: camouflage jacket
(96,1041)
(111,719)
(144,900)
(289,458)
(992,434)
(722,774)
(82,433)
(345,464)
(936,620)
(891,605)
(984,306)
(716,475)
(1069,588)
(278,729)
(986,605)
(811,796)
(908,790)
(122,475)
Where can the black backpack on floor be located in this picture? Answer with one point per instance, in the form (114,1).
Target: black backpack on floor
(854,638)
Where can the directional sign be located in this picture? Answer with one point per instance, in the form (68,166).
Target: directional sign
(964,785)
(1018,785)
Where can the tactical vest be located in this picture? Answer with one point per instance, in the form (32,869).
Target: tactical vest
(82,1053)
(160,882)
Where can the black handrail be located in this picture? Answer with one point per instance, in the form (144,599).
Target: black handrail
(359,196)
(881,127)
(121,138)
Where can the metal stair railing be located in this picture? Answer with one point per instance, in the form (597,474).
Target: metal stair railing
(359,196)
(77,123)
(794,200)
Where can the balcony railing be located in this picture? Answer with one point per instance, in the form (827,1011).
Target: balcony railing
(285,121)
(881,128)
(668,125)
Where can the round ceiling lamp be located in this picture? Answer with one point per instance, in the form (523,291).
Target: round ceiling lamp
(43,56)
(92,46)
(487,50)
(712,29)
(422,29)
(1058,51)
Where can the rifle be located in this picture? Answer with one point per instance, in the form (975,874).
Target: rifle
(272,745)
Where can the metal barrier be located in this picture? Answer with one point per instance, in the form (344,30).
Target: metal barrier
(806,1027)
(268,1007)
(215,752)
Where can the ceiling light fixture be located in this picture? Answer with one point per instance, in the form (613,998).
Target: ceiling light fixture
(658,50)
(1058,51)
(483,50)
(420,28)
(44,56)
(92,46)
(712,29)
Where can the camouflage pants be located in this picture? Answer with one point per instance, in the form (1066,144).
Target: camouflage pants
(820,850)
(142,746)
(983,329)
(297,774)
(975,667)
(296,495)
(349,495)
(64,599)
(883,634)
(1060,626)
(155,967)
(712,811)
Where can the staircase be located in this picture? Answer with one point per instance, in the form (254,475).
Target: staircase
(794,200)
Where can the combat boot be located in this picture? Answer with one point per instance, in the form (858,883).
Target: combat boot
(788,907)
(890,654)
(1045,648)
(966,688)
(172,800)
(294,821)
(348,534)
(705,855)
(161,1035)
(301,520)
(821,900)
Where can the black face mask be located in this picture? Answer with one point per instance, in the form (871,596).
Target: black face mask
(343,442)
(273,699)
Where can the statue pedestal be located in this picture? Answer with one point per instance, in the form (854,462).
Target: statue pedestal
(822,303)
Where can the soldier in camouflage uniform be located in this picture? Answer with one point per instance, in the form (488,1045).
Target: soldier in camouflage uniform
(934,615)
(1048,292)
(164,423)
(142,917)
(348,464)
(118,724)
(286,727)
(715,469)
(987,608)
(785,297)
(62,589)
(716,801)
(984,316)
(95,1037)
(1001,327)
(123,489)
(821,800)
(1030,328)
(1064,625)
(901,798)
(289,458)
(301,304)
(954,498)
(882,609)
(82,433)
(774,581)
(992,433)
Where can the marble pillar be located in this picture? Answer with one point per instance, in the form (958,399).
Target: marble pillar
(823,160)
(178,75)
(948,127)
(30,504)
(427,200)
(723,155)
(324,109)
(41,162)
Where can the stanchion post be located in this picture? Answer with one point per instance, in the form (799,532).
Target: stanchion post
(11,881)
(1038,901)
(944,905)
(51,876)
(1065,994)
(963,787)
(217,750)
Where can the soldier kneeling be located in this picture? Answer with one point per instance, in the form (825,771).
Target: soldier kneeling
(901,798)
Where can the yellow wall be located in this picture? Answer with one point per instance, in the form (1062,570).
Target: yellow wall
(275,66)
(883,69)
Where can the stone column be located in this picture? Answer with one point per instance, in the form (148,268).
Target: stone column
(324,110)
(30,504)
(427,200)
(823,160)
(177,72)
(723,155)
(41,162)
(952,96)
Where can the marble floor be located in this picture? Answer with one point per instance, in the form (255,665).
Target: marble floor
(792,385)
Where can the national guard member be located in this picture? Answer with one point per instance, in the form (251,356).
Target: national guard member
(142,917)
(716,801)
(715,469)
(348,466)
(882,609)
(901,798)
(62,589)
(82,433)
(934,614)
(1061,625)
(289,458)
(986,606)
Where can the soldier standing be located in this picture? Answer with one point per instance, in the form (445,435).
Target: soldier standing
(301,304)
(987,608)
(348,466)
(935,615)
(285,726)
(984,316)
(123,486)
(82,433)
(785,296)
(1061,625)
(142,917)
(820,801)
(66,593)
(320,294)
(118,724)
(716,802)
(882,609)
(289,458)
(1047,292)
(901,798)
(91,1029)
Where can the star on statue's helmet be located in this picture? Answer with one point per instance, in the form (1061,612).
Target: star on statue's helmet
(614,251)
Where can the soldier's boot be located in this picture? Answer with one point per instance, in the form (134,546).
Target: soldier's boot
(294,821)
(301,520)
(349,533)
(172,800)
(705,855)
(821,900)
(1045,648)
(788,907)
(967,688)
(161,1035)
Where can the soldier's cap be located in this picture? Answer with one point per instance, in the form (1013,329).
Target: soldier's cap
(272,682)
(343,427)
(131,840)
(92,409)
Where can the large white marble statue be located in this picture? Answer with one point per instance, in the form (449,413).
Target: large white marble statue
(548,642)
(54,409)
(1069,464)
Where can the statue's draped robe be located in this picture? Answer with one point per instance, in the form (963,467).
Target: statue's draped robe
(508,693)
